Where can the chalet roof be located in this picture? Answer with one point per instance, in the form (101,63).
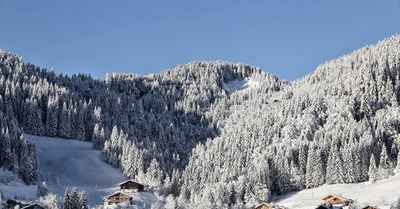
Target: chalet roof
(115,193)
(337,196)
(261,204)
(35,205)
(14,202)
(273,205)
(130,181)
(369,207)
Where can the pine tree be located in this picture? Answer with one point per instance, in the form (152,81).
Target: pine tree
(65,123)
(51,117)
(42,190)
(334,170)
(395,205)
(373,170)
(80,129)
(83,200)
(97,137)
(28,164)
(398,163)
(154,175)
(314,175)
(5,149)
(67,200)
(36,124)
(74,198)
(385,166)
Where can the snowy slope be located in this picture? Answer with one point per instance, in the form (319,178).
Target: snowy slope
(237,85)
(67,163)
(380,194)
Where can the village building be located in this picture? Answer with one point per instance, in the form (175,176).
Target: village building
(14,203)
(33,206)
(131,186)
(326,207)
(369,207)
(268,206)
(116,198)
(336,201)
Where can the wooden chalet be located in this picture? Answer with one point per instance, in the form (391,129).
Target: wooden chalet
(326,207)
(336,200)
(267,206)
(117,198)
(129,186)
(369,207)
(14,203)
(33,206)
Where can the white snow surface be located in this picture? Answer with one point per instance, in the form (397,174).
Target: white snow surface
(70,163)
(237,85)
(380,194)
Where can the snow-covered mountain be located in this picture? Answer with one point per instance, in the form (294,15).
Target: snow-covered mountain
(216,134)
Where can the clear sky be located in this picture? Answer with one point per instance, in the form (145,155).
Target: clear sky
(287,38)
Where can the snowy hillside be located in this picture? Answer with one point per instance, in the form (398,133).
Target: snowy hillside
(181,133)
(69,163)
(237,85)
(381,194)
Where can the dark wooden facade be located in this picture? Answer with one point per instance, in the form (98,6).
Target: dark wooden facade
(326,207)
(117,198)
(131,185)
(13,203)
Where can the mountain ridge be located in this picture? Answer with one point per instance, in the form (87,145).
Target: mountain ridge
(190,140)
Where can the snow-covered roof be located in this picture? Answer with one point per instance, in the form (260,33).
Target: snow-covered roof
(338,196)
(129,181)
(273,205)
(35,205)
(117,192)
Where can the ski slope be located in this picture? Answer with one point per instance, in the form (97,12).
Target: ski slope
(381,194)
(70,163)
(237,85)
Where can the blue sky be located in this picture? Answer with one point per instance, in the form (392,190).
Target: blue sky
(286,38)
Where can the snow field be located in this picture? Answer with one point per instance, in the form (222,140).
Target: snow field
(70,163)
(381,194)
(237,85)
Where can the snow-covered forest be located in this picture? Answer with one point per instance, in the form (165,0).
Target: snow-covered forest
(198,144)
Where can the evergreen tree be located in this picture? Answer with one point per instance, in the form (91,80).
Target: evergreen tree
(385,166)
(334,170)
(51,117)
(398,163)
(395,205)
(97,138)
(373,170)
(83,200)
(80,125)
(67,200)
(42,190)
(314,175)
(74,199)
